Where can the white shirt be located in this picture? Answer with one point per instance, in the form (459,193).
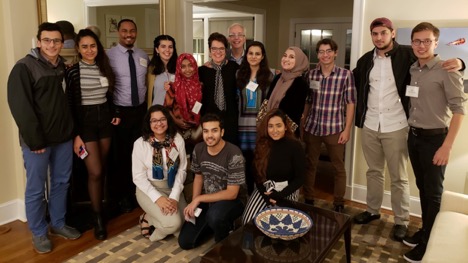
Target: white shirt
(384,108)
(142,168)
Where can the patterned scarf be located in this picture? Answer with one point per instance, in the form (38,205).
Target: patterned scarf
(187,90)
(287,78)
(172,166)
(219,89)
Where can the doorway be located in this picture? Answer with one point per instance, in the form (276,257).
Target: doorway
(307,35)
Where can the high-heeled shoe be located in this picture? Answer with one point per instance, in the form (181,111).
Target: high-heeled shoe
(100,232)
(146,231)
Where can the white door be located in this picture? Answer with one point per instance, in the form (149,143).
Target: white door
(307,36)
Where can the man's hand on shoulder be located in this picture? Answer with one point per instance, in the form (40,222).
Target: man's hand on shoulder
(452,65)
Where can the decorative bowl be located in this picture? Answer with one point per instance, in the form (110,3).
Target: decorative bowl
(283,222)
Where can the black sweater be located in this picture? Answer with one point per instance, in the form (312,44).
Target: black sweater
(285,163)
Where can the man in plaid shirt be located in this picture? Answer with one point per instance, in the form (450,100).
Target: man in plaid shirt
(328,118)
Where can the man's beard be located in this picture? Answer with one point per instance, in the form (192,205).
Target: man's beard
(384,47)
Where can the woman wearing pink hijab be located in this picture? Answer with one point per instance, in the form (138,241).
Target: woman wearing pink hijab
(288,91)
(183,98)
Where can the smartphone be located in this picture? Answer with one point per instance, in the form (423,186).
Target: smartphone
(83,153)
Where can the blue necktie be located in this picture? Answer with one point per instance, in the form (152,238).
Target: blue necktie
(133,79)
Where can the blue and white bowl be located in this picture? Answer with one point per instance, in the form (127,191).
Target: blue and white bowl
(283,222)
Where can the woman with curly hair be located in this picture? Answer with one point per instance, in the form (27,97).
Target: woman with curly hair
(279,164)
(159,166)
(90,84)
(253,81)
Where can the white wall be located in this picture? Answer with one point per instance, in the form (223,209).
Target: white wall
(17,29)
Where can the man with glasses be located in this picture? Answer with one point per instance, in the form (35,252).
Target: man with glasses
(433,93)
(236,37)
(37,100)
(328,118)
(130,65)
(381,77)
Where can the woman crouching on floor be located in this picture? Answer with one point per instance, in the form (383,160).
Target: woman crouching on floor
(158,166)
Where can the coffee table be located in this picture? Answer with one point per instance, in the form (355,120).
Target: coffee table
(248,244)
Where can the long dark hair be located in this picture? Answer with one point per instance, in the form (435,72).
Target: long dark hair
(146,131)
(102,60)
(264,75)
(264,142)
(156,59)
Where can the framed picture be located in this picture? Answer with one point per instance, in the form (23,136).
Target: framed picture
(111,42)
(129,17)
(111,25)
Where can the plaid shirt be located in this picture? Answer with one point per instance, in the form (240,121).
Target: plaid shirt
(328,101)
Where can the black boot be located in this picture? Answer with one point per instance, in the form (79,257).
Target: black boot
(100,232)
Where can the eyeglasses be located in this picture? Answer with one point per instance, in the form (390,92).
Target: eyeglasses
(426,42)
(218,49)
(156,121)
(236,35)
(328,52)
(47,41)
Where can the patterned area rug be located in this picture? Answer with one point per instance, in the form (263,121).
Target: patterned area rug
(369,243)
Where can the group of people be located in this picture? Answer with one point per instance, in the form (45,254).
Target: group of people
(237,122)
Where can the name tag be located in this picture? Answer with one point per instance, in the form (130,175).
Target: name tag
(64,85)
(196,108)
(252,86)
(314,84)
(412,91)
(104,82)
(143,62)
(173,154)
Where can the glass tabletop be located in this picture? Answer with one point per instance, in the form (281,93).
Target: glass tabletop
(248,244)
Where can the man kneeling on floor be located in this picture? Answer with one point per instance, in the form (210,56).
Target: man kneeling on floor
(219,170)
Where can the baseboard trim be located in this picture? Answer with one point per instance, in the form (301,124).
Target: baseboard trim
(15,209)
(11,211)
(359,193)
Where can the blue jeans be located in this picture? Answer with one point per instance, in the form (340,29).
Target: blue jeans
(216,217)
(429,177)
(59,159)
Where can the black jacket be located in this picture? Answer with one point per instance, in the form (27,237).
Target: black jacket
(402,59)
(294,100)
(38,103)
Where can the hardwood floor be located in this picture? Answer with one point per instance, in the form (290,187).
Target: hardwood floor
(15,245)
